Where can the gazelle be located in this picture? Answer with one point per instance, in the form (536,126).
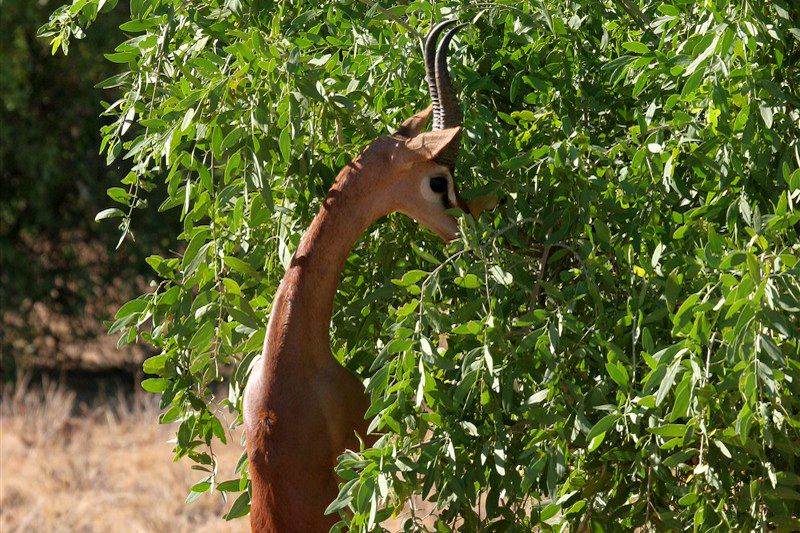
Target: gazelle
(301,407)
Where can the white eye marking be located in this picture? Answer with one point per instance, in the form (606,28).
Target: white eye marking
(429,194)
(451,193)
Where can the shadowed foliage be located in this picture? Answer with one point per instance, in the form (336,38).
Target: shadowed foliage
(59,275)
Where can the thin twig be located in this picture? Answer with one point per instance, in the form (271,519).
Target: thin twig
(540,275)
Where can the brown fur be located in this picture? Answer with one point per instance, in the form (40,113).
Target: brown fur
(302,409)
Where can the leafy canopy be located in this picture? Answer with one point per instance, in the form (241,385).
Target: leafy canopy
(616,344)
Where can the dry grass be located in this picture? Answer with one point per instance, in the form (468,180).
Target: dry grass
(108,468)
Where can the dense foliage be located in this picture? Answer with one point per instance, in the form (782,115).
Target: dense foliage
(617,343)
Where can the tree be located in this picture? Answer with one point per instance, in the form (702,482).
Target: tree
(616,344)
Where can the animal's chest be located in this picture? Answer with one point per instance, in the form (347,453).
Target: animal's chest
(318,415)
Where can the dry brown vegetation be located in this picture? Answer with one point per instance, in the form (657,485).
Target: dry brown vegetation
(67,467)
(64,467)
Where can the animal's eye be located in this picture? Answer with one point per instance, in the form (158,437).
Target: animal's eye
(438,184)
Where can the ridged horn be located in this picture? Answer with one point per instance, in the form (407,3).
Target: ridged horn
(450,115)
(430,70)
(451,111)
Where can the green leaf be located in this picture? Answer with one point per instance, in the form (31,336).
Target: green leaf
(195,248)
(409,278)
(741,118)
(487,358)
(602,426)
(133,307)
(202,338)
(468,281)
(241,267)
(120,195)
(636,47)
(342,500)
(669,430)
(669,10)
(187,119)
(201,487)
(596,441)
(683,395)
(679,458)
(154,364)
(500,276)
(108,213)
(549,512)
(473,327)
(618,373)
(685,314)
(408,308)
(232,485)
(240,507)
(121,57)
(692,83)
(766,114)
(285,143)
(688,499)
(702,57)
(155,385)
(669,378)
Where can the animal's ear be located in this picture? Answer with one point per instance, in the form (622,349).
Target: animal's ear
(428,145)
(414,125)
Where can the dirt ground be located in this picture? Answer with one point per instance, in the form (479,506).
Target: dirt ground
(107,468)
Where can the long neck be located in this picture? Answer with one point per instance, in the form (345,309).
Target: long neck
(304,302)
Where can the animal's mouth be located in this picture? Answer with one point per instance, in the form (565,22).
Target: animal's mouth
(447,229)
(450,236)
(442,224)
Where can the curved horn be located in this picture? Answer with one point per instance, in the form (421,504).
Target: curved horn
(450,108)
(430,70)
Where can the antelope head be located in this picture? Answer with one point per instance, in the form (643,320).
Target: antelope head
(412,170)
